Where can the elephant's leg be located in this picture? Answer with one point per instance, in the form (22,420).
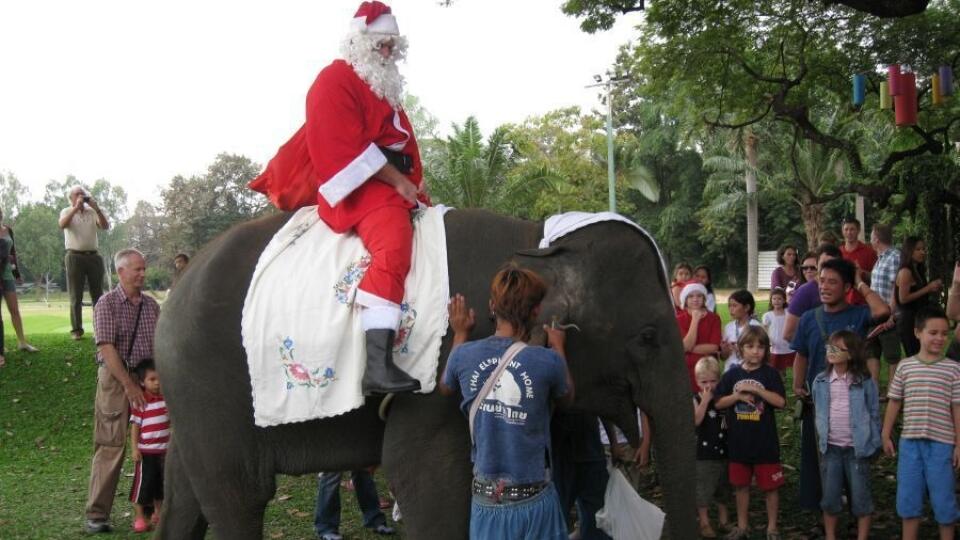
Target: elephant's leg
(181,517)
(426,457)
(234,500)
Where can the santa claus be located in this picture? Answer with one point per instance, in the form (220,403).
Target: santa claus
(357,158)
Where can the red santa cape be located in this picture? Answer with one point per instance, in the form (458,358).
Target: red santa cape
(331,160)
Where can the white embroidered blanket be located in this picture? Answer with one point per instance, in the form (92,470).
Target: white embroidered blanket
(301,331)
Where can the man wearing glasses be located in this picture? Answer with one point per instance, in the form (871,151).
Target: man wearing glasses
(358,146)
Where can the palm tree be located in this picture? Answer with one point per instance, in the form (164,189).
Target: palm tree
(465,172)
(805,172)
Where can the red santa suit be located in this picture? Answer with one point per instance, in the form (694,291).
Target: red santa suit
(338,148)
(334,160)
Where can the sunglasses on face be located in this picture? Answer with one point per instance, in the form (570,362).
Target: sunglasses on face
(808,268)
(833,350)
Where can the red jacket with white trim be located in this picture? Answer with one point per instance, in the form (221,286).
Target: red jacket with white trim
(332,159)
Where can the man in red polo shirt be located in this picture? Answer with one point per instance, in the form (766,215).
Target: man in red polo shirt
(859,253)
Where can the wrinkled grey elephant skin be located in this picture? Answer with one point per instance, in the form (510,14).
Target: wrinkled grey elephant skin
(221,468)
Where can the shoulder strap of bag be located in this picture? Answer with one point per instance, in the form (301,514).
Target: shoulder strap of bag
(136,326)
(505,360)
(818,315)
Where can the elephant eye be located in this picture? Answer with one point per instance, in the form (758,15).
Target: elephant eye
(648,336)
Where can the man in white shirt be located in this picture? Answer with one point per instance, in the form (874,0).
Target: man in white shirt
(79,222)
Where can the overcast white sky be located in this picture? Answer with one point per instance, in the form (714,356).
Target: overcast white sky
(137,92)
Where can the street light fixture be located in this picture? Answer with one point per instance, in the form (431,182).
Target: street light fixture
(611,175)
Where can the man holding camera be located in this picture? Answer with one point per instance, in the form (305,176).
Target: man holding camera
(79,222)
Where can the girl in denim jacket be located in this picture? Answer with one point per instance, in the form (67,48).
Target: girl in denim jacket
(847,408)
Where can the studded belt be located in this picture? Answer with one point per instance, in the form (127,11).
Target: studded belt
(500,492)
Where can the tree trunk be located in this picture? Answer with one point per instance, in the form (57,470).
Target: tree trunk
(861,217)
(752,230)
(812,215)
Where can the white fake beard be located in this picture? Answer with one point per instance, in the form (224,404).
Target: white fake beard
(382,74)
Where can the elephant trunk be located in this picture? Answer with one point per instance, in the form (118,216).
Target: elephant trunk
(674,447)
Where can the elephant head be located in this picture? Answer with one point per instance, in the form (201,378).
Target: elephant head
(609,280)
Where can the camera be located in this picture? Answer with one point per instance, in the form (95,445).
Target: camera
(86,199)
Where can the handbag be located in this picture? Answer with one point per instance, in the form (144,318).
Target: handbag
(625,514)
(505,360)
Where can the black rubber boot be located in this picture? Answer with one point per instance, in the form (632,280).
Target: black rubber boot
(382,375)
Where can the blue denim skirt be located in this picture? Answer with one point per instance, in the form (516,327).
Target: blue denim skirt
(536,518)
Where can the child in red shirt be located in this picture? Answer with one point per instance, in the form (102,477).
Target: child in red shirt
(149,436)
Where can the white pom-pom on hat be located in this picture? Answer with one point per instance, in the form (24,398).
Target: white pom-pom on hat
(375,18)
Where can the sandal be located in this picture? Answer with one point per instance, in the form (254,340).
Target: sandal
(773,535)
(383,530)
(27,347)
(140,525)
(737,533)
(706,531)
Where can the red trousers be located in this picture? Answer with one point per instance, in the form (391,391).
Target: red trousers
(387,233)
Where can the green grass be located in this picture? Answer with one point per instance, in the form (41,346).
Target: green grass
(46,411)
(46,441)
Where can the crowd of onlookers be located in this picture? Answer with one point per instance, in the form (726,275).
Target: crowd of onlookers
(833,314)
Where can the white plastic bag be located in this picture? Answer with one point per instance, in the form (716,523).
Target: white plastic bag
(625,514)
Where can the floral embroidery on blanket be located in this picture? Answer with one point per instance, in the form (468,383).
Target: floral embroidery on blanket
(298,374)
(408,317)
(351,279)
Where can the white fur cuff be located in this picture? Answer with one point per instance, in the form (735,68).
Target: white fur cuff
(353,175)
(378,318)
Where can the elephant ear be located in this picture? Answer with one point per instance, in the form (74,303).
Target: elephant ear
(541,252)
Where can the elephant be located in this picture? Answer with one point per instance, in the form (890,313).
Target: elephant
(221,468)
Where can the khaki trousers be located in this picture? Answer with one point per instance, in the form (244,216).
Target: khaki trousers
(111,414)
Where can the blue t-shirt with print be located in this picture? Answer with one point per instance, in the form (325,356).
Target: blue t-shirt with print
(512,426)
(809,342)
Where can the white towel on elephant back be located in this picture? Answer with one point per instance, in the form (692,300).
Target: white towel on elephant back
(301,330)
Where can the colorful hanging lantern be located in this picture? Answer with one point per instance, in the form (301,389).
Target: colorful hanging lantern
(946,80)
(905,103)
(885,102)
(935,90)
(859,89)
(893,77)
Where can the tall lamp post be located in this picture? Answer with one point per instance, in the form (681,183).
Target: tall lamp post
(611,174)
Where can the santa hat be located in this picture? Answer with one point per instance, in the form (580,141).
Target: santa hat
(692,287)
(374,18)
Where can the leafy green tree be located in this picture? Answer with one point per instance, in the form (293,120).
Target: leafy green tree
(561,159)
(144,231)
(112,200)
(39,243)
(199,208)
(13,194)
(466,171)
(791,60)
(424,123)
(601,14)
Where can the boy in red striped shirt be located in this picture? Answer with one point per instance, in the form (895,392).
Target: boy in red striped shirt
(149,435)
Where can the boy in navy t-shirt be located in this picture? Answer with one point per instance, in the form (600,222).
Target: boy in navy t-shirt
(750,393)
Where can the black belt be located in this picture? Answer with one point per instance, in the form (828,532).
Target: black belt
(401,161)
(498,492)
(78,252)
